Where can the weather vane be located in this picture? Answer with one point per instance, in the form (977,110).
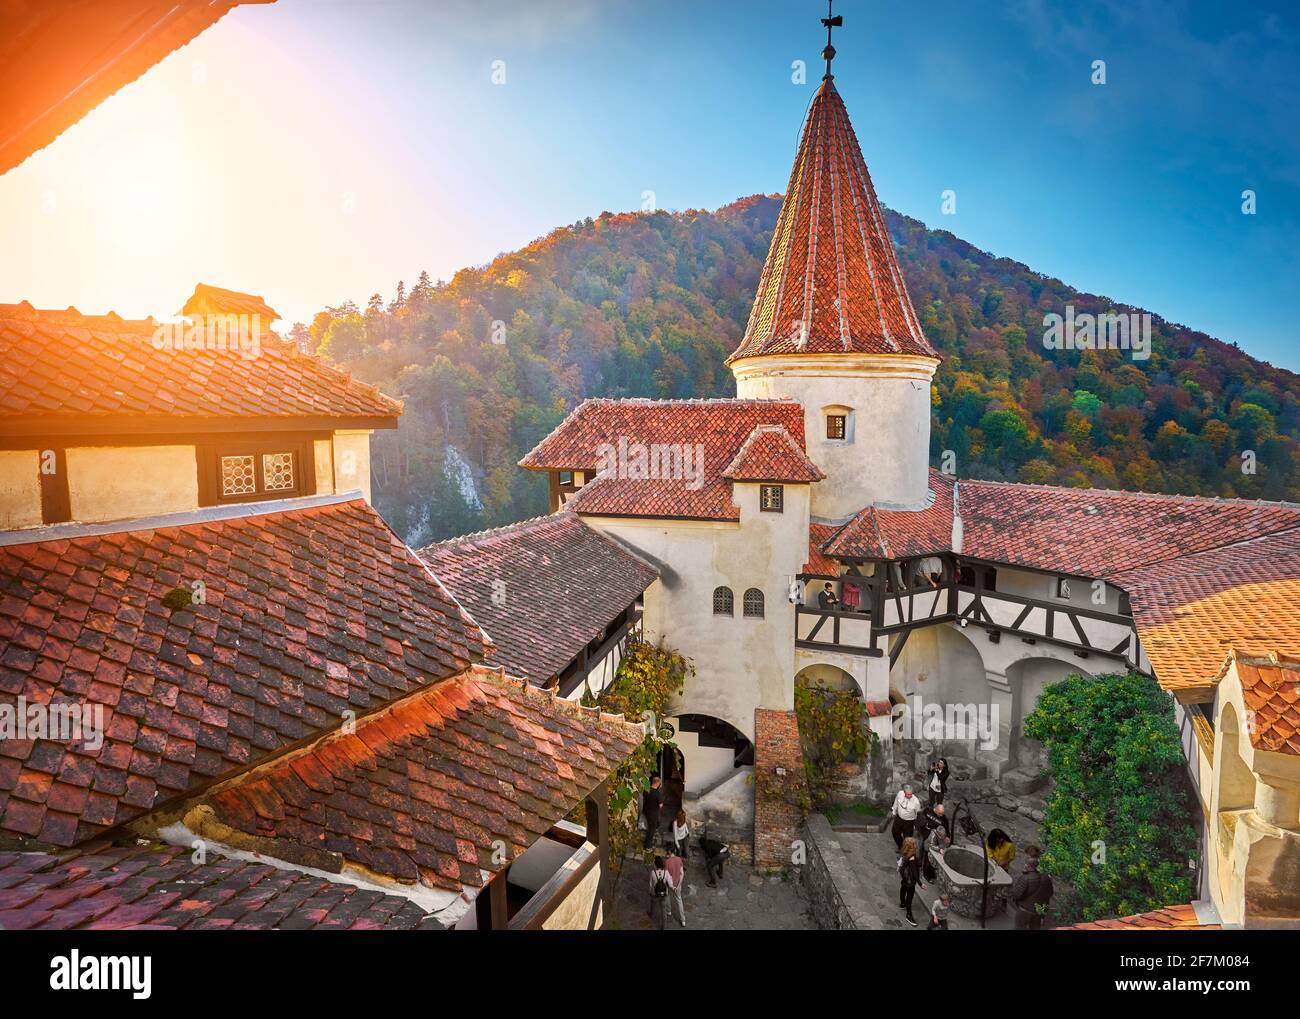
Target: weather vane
(830,21)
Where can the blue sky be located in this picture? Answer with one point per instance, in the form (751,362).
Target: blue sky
(364,141)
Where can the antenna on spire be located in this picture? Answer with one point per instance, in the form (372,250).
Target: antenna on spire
(830,21)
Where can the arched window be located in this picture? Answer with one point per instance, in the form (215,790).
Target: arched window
(724,603)
(754,603)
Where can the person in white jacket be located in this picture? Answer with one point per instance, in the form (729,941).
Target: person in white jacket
(907,805)
(680,831)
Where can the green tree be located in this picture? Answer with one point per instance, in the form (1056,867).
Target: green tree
(1119,826)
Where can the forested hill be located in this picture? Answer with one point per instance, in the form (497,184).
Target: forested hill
(651,304)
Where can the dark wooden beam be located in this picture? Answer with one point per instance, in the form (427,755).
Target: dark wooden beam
(56,498)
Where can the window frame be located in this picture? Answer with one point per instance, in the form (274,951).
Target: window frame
(728,598)
(843,420)
(763,490)
(746,601)
(300,448)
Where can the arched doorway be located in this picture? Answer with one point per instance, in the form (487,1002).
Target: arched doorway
(710,750)
(1028,678)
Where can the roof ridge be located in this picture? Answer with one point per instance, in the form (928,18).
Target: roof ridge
(186,518)
(1218,500)
(489,532)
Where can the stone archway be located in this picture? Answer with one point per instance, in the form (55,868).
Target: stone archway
(1028,678)
(829,677)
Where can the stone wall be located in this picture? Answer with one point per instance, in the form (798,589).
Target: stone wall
(836,898)
(777,821)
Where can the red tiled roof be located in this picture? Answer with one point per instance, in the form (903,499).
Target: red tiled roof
(67,370)
(160,888)
(894,534)
(1171,918)
(1092,532)
(422,791)
(1270,688)
(543,588)
(771,454)
(719,427)
(818,561)
(1079,531)
(310,612)
(1192,611)
(831,282)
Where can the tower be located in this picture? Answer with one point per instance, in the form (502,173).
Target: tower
(833,327)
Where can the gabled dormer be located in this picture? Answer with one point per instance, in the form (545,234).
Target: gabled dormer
(104,418)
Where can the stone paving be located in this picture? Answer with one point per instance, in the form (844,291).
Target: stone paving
(873,859)
(743,900)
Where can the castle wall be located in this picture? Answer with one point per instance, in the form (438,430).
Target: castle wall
(884,457)
(742,663)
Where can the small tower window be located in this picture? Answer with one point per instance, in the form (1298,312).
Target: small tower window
(724,603)
(754,603)
(834,426)
(771,498)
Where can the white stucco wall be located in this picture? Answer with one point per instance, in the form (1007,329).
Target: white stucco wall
(886,456)
(120,482)
(352,462)
(741,663)
(20,489)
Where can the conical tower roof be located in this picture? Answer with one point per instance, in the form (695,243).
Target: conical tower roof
(832,283)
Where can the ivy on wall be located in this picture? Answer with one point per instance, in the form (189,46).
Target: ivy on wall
(834,732)
(648,676)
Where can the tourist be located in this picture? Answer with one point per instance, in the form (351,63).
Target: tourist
(651,800)
(676,868)
(906,806)
(679,832)
(715,854)
(909,876)
(1031,891)
(937,780)
(826,597)
(661,883)
(1001,849)
(939,912)
(932,833)
(934,819)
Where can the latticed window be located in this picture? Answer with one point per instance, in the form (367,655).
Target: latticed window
(834,426)
(724,603)
(754,603)
(771,498)
(246,476)
(237,475)
(277,471)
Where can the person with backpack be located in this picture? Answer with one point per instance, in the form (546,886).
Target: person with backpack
(909,876)
(1029,891)
(661,883)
